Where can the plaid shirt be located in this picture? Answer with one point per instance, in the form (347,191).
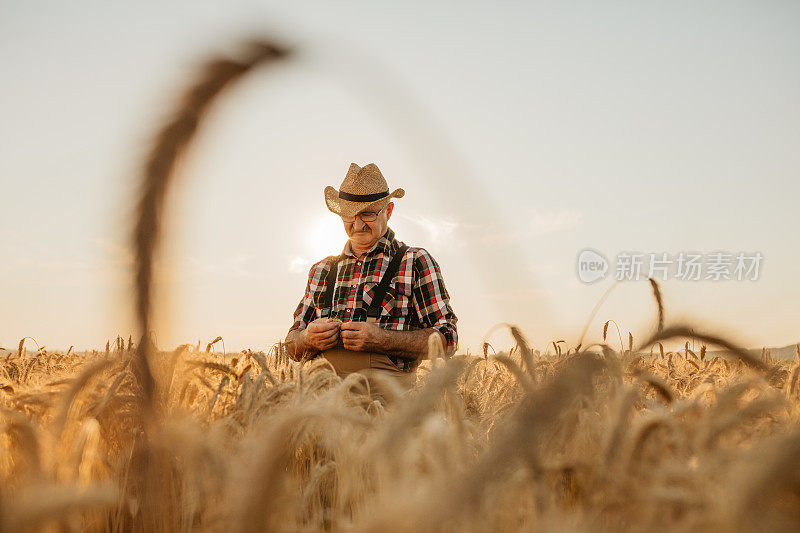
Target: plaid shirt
(416,299)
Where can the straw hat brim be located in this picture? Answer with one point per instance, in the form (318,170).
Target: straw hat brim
(347,208)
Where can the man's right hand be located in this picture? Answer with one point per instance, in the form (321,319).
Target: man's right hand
(323,333)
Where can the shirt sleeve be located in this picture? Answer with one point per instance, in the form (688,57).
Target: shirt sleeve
(431,300)
(306,310)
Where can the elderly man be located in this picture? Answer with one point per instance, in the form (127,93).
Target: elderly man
(374,307)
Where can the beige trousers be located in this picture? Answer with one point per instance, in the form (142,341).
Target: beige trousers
(346,362)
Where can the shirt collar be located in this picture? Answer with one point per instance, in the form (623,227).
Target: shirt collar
(384,245)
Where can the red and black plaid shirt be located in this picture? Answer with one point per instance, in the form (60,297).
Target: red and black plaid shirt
(416,298)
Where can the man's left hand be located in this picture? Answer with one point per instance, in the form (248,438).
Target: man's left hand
(361,336)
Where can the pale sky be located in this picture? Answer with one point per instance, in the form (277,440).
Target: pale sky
(522,132)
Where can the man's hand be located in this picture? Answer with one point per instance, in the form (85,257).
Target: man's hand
(362,336)
(323,333)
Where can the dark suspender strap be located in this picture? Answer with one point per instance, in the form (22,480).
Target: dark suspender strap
(380,290)
(330,284)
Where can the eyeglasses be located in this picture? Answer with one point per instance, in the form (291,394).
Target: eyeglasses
(366,216)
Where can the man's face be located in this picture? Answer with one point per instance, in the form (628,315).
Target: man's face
(364,234)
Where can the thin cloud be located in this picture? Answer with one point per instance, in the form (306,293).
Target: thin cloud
(299,265)
(436,227)
(535,223)
(239,265)
(543,222)
(118,255)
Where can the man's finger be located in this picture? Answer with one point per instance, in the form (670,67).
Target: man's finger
(325,335)
(319,342)
(326,343)
(324,326)
(353,325)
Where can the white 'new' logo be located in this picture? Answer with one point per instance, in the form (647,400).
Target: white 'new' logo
(591,266)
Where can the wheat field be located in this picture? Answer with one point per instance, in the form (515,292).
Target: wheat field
(563,440)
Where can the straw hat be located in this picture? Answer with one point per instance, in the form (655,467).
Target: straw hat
(362,188)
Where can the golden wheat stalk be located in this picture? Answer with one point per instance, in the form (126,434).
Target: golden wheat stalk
(659,302)
(170,144)
(686,331)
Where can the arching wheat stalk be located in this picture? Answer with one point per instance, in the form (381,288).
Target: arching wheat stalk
(171,142)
